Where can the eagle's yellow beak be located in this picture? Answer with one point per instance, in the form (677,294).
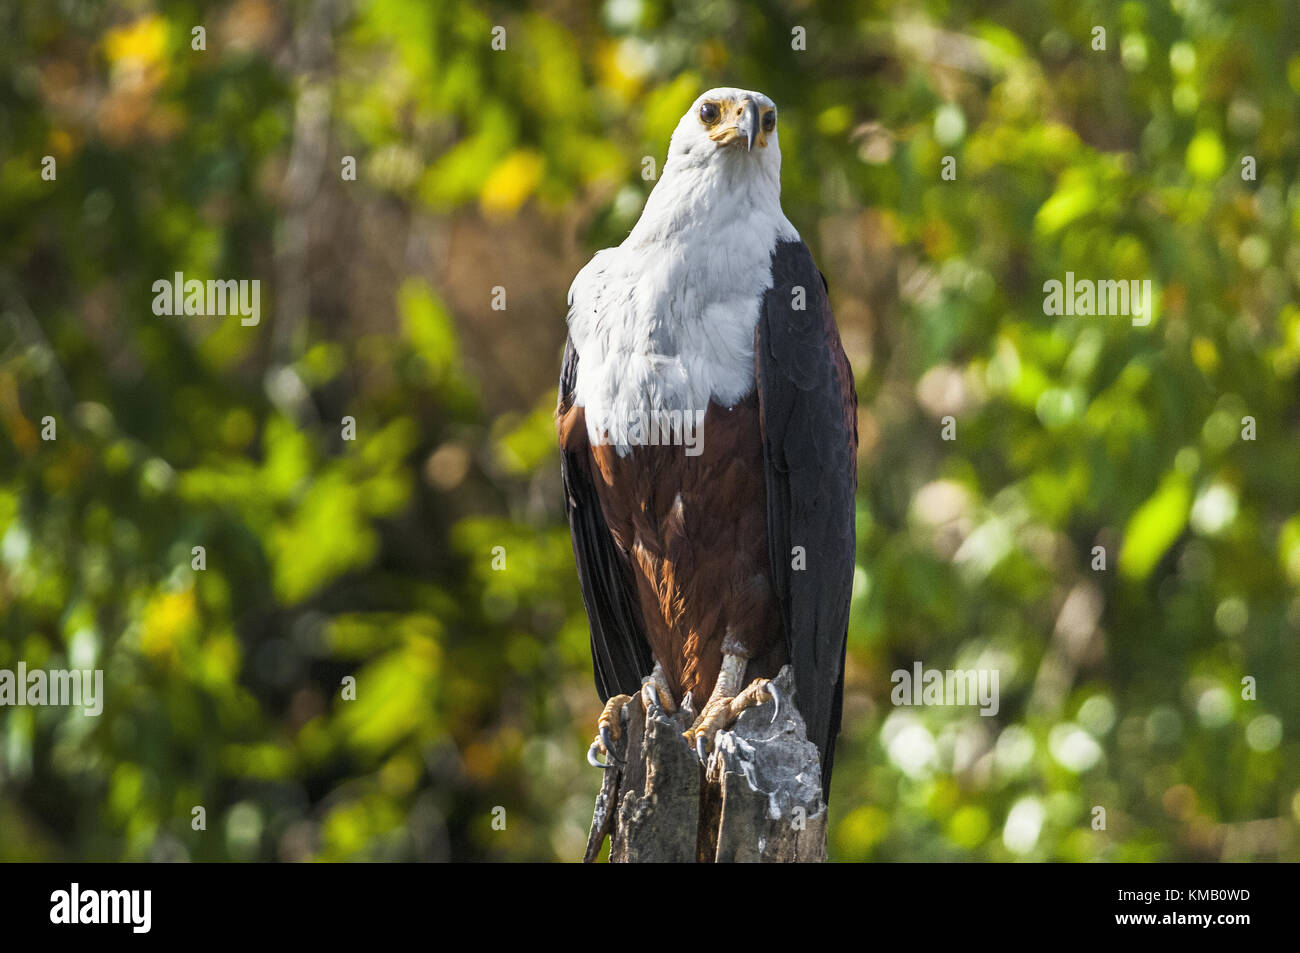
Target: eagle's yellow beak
(739,124)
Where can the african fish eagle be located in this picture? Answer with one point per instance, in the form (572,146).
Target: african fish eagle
(710,561)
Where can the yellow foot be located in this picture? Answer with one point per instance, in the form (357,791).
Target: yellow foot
(723,709)
(609,729)
(655,696)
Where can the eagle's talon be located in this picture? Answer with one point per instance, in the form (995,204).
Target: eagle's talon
(592,758)
(655,695)
(607,742)
(722,710)
(609,729)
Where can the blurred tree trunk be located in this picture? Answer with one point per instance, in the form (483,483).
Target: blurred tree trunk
(759,800)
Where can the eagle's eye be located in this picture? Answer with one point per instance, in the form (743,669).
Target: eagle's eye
(709,113)
(769,120)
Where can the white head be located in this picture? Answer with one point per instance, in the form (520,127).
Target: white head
(727,125)
(724,158)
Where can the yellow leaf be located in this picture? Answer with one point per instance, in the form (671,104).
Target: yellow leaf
(1205,156)
(1155,526)
(167,618)
(510,184)
(142,41)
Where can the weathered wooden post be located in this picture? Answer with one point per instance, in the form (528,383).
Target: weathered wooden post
(759,800)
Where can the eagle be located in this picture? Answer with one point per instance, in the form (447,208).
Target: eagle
(707,424)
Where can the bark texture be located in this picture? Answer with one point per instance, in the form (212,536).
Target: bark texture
(758,800)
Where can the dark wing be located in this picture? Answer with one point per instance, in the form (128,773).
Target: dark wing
(618,644)
(808,407)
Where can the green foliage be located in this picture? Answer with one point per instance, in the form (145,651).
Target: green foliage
(379,558)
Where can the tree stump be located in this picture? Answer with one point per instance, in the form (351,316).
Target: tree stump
(758,800)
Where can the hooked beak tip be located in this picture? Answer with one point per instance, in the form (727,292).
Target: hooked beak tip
(749,124)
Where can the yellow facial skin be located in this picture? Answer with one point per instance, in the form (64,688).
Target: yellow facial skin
(730,126)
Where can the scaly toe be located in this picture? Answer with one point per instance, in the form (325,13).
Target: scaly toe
(607,743)
(650,698)
(609,729)
(655,695)
(715,717)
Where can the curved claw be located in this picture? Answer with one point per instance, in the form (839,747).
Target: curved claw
(607,739)
(701,748)
(594,761)
(776,699)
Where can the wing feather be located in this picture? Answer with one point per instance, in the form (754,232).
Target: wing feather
(619,650)
(808,408)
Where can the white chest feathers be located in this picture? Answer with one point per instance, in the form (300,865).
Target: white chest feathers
(668,325)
